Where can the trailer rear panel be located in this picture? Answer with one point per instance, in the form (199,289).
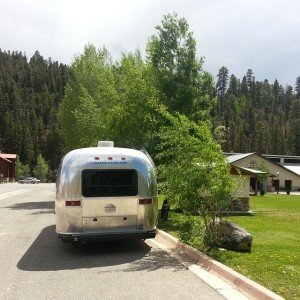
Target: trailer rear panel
(106,193)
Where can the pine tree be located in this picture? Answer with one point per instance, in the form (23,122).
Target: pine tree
(221,87)
(297,86)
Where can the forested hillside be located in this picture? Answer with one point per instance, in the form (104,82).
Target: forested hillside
(247,115)
(30,93)
(257,116)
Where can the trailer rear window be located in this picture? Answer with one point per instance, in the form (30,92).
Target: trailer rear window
(109,183)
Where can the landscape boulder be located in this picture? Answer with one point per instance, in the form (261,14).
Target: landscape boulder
(233,237)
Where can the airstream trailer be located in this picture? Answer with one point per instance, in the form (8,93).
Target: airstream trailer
(106,193)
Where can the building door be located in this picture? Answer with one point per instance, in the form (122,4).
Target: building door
(253,183)
(276,184)
(288,185)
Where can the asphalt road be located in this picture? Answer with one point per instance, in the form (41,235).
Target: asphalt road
(35,264)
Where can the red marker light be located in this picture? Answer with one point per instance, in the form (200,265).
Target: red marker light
(145,201)
(97,158)
(110,158)
(123,158)
(73,203)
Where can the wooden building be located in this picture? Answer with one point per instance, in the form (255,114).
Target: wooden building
(7,167)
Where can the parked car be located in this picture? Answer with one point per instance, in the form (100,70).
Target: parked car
(32,180)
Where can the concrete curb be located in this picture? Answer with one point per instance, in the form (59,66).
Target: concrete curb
(243,284)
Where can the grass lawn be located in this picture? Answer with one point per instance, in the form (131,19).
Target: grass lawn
(274,261)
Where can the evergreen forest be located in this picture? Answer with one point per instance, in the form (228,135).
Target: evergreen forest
(47,108)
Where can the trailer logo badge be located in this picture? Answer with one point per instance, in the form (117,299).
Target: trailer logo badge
(109,208)
(109,163)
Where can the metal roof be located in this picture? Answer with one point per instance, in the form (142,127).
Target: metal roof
(235,157)
(8,156)
(5,159)
(253,171)
(295,169)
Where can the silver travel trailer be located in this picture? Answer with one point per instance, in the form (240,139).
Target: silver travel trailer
(106,193)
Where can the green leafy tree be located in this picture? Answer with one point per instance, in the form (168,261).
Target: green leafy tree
(182,83)
(133,120)
(220,134)
(41,169)
(89,97)
(192,166)
(262,178)
(21,170)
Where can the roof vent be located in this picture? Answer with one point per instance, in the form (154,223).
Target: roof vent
(105,144)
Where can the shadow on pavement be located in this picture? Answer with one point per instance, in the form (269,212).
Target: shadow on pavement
(44,207)
(48,253)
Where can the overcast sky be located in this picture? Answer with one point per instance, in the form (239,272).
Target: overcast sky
(262,35)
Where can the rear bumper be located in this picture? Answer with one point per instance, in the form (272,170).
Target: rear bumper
(111,236)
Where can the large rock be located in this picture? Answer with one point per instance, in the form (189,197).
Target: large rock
(233,237)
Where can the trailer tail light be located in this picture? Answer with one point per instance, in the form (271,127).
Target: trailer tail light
(73,203)
(144,201)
